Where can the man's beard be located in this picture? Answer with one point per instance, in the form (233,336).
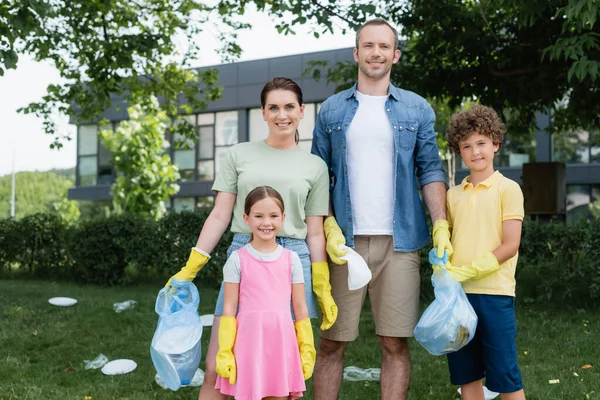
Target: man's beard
(375,74)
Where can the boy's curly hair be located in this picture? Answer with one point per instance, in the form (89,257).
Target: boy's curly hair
(478,119)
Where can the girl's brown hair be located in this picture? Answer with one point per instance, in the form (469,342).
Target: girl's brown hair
(259,193)
(281,83)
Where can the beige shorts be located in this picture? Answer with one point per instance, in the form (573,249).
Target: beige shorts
(393,291)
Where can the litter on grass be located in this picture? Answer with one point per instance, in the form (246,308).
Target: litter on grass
(97,362)
(118,367)
(126,305)
(62,301)
(207,319)
(487,393)
(197,380)
(355,374)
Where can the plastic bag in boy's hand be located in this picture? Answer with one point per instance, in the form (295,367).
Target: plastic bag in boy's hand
(449,323)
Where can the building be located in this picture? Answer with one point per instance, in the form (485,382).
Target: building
(236,117)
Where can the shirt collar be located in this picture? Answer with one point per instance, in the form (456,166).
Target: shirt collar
(491,180)
(393,92)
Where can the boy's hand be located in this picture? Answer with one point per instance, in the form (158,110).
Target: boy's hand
(477,269)
(335,237)
(322,288)
(441,238)
(198,259)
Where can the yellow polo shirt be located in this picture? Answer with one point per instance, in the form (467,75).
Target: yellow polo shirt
(475,215)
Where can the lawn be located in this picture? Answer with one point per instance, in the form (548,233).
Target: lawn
(43,348)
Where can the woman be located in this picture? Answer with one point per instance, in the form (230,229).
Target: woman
(303,181)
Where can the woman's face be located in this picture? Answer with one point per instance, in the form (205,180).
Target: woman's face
(282,113)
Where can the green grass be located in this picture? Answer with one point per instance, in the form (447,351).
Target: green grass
(43,348)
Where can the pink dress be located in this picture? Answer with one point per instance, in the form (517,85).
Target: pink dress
(266,350)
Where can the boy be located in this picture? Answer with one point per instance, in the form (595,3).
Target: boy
(485,213)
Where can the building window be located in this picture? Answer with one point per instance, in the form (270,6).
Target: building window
(578,202)
(258,128)
(87,154)
(184,204)
(184,153)
(571,147)
(205,202)
(226,135)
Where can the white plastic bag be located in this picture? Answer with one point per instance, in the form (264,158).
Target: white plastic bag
(359,273)
(449,323)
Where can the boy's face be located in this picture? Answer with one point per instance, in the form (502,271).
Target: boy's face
(477,152)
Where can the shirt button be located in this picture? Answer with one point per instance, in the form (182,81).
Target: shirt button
(395,126)
(388,110)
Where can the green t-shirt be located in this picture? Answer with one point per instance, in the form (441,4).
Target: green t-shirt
(299,176)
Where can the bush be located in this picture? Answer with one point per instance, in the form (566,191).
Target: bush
(37,243)
(560,264)
(557,263)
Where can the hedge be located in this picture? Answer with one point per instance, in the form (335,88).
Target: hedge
(557,263)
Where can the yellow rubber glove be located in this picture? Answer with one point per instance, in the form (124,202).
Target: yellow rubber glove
(335,237)
(479,267)
(322,288)
(441,237)
(198,259)
(225,360)
(306,345)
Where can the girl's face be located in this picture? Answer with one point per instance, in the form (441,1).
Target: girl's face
(265,219)
(282,113)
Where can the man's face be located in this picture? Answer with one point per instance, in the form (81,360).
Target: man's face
(375,53)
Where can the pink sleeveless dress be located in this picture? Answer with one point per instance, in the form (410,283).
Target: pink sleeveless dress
(266,350)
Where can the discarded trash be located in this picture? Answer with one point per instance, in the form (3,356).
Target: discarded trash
(126,305)
(553,381)
(207,319)
(586,366)
(487,393)
(62,301)
(118,367)
(355,374)
(197,380)
(97,362)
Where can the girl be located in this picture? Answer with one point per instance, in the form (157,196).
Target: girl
(265,361)
(303,181)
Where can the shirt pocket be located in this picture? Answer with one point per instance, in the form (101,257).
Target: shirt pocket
(334,130)
(407,132)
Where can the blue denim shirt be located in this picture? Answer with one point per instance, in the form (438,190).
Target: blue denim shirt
(416,159)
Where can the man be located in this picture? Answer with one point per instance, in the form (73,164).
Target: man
(378,142)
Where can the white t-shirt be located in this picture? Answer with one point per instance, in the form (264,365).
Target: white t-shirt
(232,272)
(370,155)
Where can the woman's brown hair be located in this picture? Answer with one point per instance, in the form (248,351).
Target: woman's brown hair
(281,83)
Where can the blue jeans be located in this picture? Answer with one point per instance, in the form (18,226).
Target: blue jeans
(297,245)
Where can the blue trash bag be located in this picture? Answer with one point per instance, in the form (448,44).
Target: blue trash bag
(176,348)
(449,323)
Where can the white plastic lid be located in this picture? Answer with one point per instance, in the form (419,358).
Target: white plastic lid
(207,319)
(62,301)
(118,367)
(178,340)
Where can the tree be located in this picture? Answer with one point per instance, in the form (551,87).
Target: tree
(38,192)
(108,48)
(145,175)
(518,56)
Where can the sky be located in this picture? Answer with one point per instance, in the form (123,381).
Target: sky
(23,141)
